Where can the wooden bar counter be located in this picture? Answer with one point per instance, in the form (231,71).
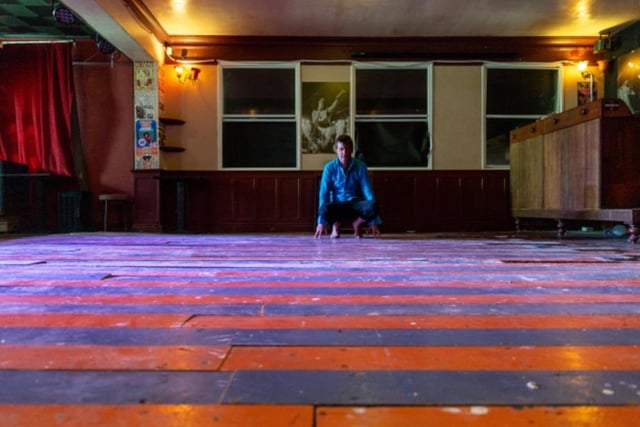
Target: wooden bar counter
(581,164)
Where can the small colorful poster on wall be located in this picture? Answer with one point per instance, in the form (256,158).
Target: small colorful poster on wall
(146,152)
(587,92)
(145,105)
(144,76)
(325,115)
(146,143)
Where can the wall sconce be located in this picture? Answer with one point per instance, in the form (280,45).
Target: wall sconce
(185,73)
(583,67)
(62,14)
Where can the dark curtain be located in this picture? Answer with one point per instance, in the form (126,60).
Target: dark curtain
(36,96)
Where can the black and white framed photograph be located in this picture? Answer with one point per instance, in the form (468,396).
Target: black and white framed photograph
(325,115)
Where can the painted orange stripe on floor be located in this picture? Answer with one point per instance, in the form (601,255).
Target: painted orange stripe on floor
(486,298)
(84,357)
(157,415)
(434,358)
(483,416)
(318,322)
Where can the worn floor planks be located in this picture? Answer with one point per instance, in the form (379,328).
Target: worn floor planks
(240,330)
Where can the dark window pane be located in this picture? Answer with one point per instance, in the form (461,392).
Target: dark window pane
(498,131)
(519,91)
(259,91)
(259,144)
(393,143)
(391,91)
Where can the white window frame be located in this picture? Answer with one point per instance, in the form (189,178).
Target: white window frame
(428,67)
(533,117)
(267,118)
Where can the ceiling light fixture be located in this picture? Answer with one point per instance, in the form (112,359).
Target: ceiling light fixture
(62,14)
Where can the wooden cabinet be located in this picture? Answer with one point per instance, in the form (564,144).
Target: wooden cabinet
(580,164)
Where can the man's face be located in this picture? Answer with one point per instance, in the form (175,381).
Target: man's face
(344,152)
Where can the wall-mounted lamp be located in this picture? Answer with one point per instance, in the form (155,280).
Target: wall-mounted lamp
(185,73)
(62,14)
(583,67)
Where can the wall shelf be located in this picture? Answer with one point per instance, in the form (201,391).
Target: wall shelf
(171,149)
(168,121)
(171,121)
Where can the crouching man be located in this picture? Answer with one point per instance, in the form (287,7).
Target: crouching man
(346,194)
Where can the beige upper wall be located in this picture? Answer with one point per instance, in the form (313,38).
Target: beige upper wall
(457,124)
(196,104)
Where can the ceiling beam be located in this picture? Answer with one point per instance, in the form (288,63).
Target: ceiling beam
(117,23)
(532,49)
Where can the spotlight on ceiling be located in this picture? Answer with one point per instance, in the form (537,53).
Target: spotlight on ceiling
(104,46)
(63,14)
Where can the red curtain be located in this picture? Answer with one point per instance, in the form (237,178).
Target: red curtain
(36,95)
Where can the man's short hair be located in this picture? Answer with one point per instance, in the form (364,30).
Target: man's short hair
(345,140)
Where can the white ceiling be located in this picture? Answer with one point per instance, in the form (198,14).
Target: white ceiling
(391,18)
(200,19)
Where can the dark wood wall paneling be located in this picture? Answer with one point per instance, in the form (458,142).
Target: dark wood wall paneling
(444,200)
(225,201)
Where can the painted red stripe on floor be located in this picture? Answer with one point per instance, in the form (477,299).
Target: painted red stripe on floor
(99,357)
(157,415)
(210,358)
(458,358)
(479,416)
(319,322)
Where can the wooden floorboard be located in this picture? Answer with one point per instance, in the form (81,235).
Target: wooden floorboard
(124,329)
